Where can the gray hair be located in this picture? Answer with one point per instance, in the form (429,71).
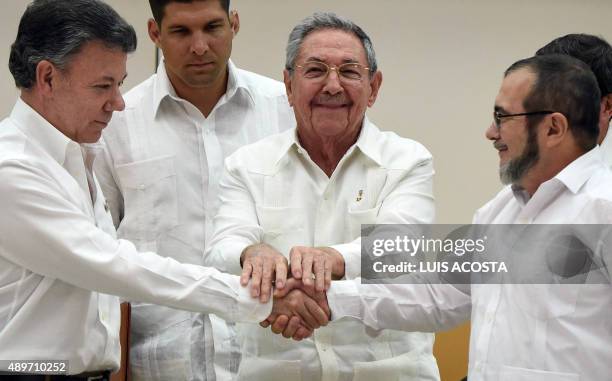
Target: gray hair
(56,30)
(327,20)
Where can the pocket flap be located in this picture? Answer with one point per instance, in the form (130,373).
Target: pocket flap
(141,174)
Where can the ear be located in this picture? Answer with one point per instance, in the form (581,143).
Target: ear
(234,21)
(287,80)
(556,129)
(46,77)
(606,107)
(154,32)
(375,84)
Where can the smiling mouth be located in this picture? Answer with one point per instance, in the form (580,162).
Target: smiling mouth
(333,105)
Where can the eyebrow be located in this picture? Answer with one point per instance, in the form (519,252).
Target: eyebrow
(186,26)
(112,79)
(500,109)
(317,59)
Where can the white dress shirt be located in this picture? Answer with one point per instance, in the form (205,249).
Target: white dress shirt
(273,192)
(160,176)
(56,246)
(606,148)
(519,332)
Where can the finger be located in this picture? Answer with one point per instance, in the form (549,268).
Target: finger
(316,312)
(328,274)
(290,284)
(302,333)
(295,259)
(319,271)
(264,324)
(266,280)
(306,315)
(247,269)
(281,272)
(256,277)
(307,269)
(280,324)
(292,327)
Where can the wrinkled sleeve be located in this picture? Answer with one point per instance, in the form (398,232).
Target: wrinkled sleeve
(407,307)
(46,233)
(236,225)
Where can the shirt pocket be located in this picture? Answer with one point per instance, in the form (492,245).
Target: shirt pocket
(509,373)
(150,197)
(283,227)
(358,217)
(551,300)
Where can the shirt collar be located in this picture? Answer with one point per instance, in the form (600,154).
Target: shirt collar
(163,88)
(573,176)
(368,143)
(37,128)
(578,172)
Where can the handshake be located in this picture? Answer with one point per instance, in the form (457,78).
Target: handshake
(298,287)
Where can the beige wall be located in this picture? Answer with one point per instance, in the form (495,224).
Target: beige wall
(442,62)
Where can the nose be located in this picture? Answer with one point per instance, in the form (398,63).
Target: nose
(492,133)
(199,44)
(115,103)
(332,83)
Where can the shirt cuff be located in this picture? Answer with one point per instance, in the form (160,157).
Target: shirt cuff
(344,300)
(249,309)
(351,252)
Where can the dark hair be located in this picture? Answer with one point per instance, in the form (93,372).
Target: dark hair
(564,84)
(56,30)
(592,50)
(327,20)
(159,6)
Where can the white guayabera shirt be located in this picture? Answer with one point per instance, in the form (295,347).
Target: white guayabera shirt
(273,192)
(56,245)
(160,175)
(542,332)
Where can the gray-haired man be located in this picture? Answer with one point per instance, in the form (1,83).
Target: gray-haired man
(304,199)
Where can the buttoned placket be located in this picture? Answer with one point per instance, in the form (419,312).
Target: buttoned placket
(323,337)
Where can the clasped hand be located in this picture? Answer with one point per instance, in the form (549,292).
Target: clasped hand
(300,304)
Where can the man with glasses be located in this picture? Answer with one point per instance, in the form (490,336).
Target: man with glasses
(545,129)
(294,204)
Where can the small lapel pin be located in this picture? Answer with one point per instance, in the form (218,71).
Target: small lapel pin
(359,195)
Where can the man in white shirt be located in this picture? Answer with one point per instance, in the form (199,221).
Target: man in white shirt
(161,168)
(546,127)
(301,197)
(597,53)
(59,259)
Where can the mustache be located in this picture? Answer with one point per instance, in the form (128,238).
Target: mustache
(498,145)
(331,100)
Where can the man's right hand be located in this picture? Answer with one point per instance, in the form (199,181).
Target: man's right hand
(260,263)
(296,315)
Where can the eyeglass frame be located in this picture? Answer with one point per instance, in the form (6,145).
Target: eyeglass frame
(336,68)
(497,116)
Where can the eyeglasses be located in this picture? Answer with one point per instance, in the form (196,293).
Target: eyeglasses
(319,70)
(498,116)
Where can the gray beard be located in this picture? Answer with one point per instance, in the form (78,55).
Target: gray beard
(514,170)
